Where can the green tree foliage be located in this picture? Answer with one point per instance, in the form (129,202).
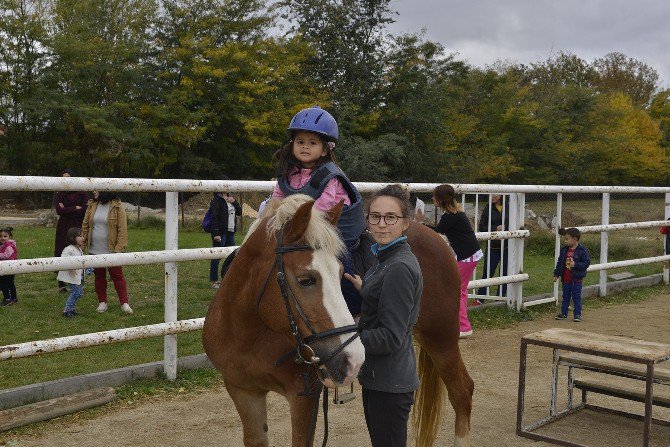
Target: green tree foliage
(200,88)
(23,59)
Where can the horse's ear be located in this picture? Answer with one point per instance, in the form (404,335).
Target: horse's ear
(296,227)
(333,214)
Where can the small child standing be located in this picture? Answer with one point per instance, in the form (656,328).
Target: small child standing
(571,267)
(75,240)
(8,252)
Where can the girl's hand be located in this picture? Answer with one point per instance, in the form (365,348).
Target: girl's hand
(572,262)
(355,280)
(420,216)
(217,238)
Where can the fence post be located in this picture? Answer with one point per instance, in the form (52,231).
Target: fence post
(521,222)
(666,265)
(557,244)
(513,251)
(604,241)
(171,243)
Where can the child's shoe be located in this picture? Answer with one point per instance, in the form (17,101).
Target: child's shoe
(560,317)
(215,285)
(9,302)
(465,334)
(102,307)
(69,314)
(578,319)
(126,308)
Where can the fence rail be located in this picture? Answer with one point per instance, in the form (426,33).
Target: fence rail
(514,236)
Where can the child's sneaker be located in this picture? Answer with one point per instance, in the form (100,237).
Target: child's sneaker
(578,319)
(561,317)
(70,314)
(465,334)
(9,302)
(102,307)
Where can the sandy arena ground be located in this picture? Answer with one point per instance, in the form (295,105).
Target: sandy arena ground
(210,419)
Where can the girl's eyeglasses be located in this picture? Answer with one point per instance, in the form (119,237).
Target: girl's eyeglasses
(389,219)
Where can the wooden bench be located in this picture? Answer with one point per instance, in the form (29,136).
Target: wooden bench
(610,355)
(611,366)
(574,360)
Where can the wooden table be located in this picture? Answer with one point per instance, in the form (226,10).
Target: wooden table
(606,346)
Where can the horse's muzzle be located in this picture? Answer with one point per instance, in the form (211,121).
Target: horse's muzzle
(343,368)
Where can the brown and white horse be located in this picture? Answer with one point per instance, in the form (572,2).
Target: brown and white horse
(249,324)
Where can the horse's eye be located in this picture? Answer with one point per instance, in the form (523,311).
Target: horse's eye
(306,281)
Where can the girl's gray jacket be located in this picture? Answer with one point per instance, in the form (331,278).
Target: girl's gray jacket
(391,291)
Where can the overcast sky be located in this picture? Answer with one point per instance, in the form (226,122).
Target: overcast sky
(482,31)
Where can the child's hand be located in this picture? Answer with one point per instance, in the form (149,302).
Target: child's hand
(355,280)
(419,216)
(555,278)
(572,262)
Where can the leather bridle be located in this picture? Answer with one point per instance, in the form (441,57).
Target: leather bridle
(302,343)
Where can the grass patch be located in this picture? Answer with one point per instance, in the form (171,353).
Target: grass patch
(500,317)
(188,381)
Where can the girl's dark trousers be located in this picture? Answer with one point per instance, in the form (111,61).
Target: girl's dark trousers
(8,288)
(386,415)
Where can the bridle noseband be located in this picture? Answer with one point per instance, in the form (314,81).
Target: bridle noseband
(288,295)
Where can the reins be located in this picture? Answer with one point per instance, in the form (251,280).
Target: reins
(303,343)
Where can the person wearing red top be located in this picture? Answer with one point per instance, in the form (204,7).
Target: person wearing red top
(666,230)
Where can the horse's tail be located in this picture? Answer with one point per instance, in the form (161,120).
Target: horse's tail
(430,400)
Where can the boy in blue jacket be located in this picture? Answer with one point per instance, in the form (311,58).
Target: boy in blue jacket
(571,268)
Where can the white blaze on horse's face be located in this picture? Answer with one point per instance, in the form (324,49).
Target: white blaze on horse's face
(333,301)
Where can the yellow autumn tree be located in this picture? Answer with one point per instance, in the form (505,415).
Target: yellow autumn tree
(623,145)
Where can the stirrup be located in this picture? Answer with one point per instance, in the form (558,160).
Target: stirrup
(343,398)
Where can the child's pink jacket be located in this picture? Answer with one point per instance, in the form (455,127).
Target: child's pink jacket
(8,251)
(331,195)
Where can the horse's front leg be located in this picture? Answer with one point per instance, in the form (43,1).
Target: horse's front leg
(302,410)
(252,408)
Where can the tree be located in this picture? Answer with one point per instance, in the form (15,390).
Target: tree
(23,57)
(99,50)
(622,146)
(620,73)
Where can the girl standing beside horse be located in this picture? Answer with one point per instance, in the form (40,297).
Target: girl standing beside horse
(391,291)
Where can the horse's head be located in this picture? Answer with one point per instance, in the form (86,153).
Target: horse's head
(306,247)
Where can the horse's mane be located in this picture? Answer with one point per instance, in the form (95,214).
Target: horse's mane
(320,233)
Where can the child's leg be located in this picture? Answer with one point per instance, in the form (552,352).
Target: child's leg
(101,283)
(351,295)
(577,298)
(466,269)
(4,286)
(75,293)
(12,288)
(567,294)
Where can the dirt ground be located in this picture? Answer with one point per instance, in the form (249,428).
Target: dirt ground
(210,419)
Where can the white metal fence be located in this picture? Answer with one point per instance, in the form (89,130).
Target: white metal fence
(514,236)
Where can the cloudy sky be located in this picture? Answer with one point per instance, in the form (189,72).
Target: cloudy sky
(524,31)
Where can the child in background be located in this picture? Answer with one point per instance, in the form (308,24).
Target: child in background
(8,252)
(306,165)
(571,268)
(75,278)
